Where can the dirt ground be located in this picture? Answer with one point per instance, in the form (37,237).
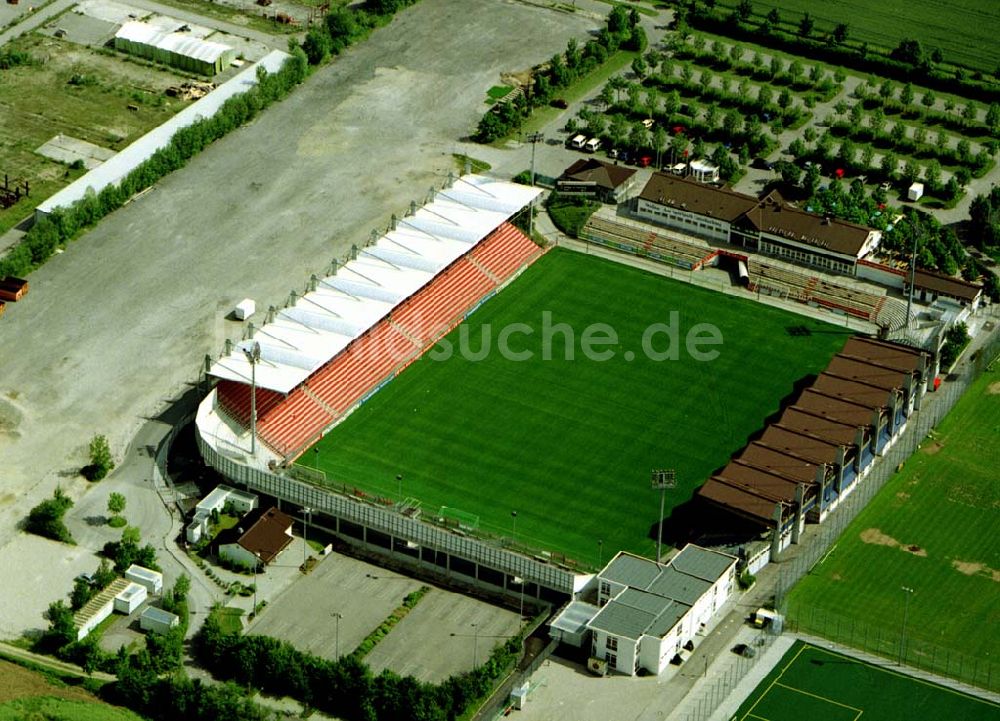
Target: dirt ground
(19,682)
(124,318)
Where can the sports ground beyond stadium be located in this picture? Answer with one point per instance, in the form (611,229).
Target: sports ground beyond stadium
(813,683)
(569,444)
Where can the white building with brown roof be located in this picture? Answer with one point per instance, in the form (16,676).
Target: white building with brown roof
(258,537)
(590,176)
(692,207)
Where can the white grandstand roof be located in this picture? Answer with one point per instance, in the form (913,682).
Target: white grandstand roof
(303,337)
(179,43)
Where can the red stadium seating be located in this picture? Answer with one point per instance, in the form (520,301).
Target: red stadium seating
(235,400)
(505,251)
(440,305)
(289,423)
(364,364)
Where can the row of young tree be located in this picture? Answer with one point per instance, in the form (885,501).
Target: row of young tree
(859,159)
(64,224)
(893,99)
(346,687)
(622,31)
(776,71)
(908,60)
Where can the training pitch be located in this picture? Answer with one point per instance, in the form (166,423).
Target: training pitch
(813,683)
(569,444)
(933,529)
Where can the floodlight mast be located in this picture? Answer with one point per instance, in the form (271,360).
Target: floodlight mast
(662,480)
(253,358)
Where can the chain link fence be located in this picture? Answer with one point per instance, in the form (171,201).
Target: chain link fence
(712,693)
(913,651)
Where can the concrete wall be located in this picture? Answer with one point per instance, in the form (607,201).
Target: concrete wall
(625,654)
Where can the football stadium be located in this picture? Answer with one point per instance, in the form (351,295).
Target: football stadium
(459,399)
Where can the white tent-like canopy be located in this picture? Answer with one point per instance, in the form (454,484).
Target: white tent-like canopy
(303,337)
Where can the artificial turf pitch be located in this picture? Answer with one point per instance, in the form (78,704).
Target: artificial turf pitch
(569,444)
(814,683)
(945,503)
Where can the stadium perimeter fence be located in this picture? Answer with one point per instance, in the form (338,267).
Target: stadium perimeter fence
(912,651)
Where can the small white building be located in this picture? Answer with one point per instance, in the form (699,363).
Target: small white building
(915,192)
(647,611)
(704,171)
(130,599)
(150,579)
(241,501)
(98,608)
(156,620)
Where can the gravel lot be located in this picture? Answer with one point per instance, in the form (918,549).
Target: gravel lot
(123,319)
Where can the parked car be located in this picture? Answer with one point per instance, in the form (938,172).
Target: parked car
(762,164)
(559,103)
(886,186)
(742,649)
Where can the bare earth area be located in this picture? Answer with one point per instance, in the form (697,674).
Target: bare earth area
(122,320)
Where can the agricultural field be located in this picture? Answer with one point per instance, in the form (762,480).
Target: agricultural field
(569,443)
(26,694)
(89,95)
(814,683)
(932,529)
(964,30)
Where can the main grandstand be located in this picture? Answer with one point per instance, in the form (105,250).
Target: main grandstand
(350,333)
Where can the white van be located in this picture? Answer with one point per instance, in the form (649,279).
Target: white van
(578,142)
(592,145)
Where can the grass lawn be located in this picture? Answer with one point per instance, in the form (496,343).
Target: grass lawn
(813,683)
(29,694)
(569,444)
(571,215)
(946,503)
(964,30)
(229,619)
(95,109)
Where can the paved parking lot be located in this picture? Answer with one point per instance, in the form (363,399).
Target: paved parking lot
(446,633)
(122,320)
(364,595)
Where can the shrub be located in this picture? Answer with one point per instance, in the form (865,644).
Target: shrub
(45,519)
(101,461)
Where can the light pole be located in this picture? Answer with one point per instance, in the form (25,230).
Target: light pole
(316,457)
(253,358)
(513,530)
(256,563)
(399,486)
(305,533)
(661,481)
(902,636)
(913,272)
(533,138)
(337,616)
(600,552)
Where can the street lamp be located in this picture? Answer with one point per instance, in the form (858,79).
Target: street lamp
(600,552)
(256,563)
(337,616)
(253,358)
(399,486)
(513,531)
(902,635)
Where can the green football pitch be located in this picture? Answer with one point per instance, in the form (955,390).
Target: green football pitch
(813,683)
(933,528)
(569,443)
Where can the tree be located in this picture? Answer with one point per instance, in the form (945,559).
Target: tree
(897,133)
(790,172)
(867,157)
(784,99)
(639,67)
(928,99)
(45,519)
(910,172)
(806,25)
(889,165)
(743,11)
(857,113)
(993,118)
(932,175)
(317,45)
(796,70)
(777,67)
(61,630)
(876,121)
(765,96)
(101,461)
(886,89)
(906,94)
(116,503)
(969,113)
(811,179)
(908,51)
(773,18)
(81,594)
(797,148)
(840,33)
